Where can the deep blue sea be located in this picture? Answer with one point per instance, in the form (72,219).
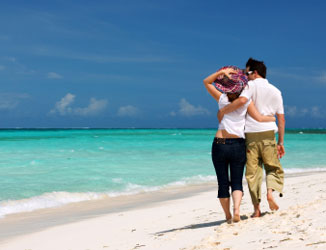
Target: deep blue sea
(51,167)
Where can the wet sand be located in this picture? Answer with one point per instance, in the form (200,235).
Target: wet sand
(177,218)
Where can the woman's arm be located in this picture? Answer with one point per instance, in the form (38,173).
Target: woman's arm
(254,113)
(216,94)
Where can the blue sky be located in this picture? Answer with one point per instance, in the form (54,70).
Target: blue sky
(141,63)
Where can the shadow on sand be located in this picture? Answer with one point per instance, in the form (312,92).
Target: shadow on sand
(193,226)
(203,225)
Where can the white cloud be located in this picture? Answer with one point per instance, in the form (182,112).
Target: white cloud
(287,74)
(11,59)
(172,113)
(100,58)
(128,110)
(304,111)
(63,107)
(316,112)
(322,77)
(294,111)
(9,101)
(16,67)
(299,74)
(53,75)
(94,107)
(187,109)
(291,110)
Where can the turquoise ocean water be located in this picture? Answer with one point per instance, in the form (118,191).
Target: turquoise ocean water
(49,168)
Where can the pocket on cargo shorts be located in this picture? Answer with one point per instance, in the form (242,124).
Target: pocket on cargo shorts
(269,152)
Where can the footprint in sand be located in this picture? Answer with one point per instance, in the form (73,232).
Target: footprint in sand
(286,239)
(138,246)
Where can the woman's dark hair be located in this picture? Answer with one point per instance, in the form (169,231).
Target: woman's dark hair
(233,96)
(259,66)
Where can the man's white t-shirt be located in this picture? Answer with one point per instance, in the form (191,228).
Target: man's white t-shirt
(268,101)
(233,122)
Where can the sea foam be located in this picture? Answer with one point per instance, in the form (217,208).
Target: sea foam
(46,200)
(57,199)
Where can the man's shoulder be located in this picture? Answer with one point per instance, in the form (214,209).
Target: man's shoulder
(274,88)
(262,82)
(251,82)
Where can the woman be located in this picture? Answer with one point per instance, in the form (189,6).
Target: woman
(228,149)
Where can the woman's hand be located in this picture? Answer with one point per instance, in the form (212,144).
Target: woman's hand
(254,113)
(210,88)
(220,115)
(211,78)
(272,117)
(227,72)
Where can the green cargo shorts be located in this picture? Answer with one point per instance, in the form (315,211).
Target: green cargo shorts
(262,151)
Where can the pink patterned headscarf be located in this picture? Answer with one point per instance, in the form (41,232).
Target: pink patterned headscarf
(235,84)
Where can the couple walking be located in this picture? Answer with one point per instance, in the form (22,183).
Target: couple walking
(246,135)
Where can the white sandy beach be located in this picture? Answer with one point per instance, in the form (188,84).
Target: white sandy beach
(178,222)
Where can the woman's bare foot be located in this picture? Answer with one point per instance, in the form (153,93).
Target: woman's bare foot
(236,215)
(228,217)
(236,218)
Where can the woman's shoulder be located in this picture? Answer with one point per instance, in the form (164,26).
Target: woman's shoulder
(224,99)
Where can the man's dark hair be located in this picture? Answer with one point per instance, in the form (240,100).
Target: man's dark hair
(259,66)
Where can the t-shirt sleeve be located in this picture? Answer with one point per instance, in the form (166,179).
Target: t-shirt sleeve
(223,100)
(246,92)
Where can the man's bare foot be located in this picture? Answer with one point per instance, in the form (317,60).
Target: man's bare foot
(272,204)
(256,214)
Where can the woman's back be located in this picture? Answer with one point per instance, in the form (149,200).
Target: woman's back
(232,124)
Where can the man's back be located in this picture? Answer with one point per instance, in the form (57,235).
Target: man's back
(268,101)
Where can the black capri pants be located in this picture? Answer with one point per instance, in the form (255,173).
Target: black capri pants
(229,154)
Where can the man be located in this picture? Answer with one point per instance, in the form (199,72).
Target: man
(260,136)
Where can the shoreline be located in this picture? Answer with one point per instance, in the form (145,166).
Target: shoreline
(16,226)
(192,221)
(40,219)
(116,198)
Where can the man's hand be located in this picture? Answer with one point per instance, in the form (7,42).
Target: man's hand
(220,115)
(281,131)
(280,151)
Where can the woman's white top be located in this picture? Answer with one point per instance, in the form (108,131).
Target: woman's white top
(233,122)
